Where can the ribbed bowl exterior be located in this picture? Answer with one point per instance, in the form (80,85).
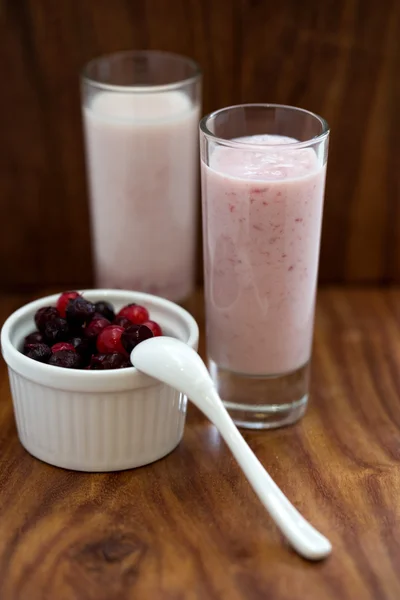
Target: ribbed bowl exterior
(88,431)
(95,420)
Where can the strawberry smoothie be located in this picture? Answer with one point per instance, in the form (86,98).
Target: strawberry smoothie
(142,165)
(262,223)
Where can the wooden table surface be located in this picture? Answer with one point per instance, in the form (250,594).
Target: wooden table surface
(189,526)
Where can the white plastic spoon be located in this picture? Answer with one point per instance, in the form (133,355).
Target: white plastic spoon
(179,366)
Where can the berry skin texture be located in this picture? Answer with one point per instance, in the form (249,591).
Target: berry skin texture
(66,359)
(106,310)
(115,360)
(83,347)
(44,315)
(64,300)
(155,328)
(62,346)
(135,334)
(135,313)
(97,316)
(79,312)
(34,338)
(95,326)
(130,338)
(109,340)
(122,322)
(39,352)
(56,330)
(144,333)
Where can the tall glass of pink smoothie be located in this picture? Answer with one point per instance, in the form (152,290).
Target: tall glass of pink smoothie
(140,113)
(263,179)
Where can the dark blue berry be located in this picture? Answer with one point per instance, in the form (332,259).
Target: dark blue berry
(106,310)
(56,330)
(34,338)
(129,338)
(83,346)
(144,333)
(122,322)
(65,358)
(79,312)
(115,360)
(44,315)
(40,352)
(135,334)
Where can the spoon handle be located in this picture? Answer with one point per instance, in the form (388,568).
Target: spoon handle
(300,533)
(174,363)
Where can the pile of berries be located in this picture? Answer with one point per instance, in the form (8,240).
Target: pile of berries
(77,334)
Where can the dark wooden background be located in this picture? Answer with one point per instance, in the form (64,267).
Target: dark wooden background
(340,58)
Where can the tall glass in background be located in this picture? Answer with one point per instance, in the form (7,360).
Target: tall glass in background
(141,112)
(263,179)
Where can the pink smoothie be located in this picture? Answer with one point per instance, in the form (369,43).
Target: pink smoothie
(142,165)
(262,223)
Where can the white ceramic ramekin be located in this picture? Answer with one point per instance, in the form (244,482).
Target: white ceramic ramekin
(95,420)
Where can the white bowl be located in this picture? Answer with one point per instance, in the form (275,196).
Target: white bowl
(95,420)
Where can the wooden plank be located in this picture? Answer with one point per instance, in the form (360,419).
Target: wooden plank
(189,526)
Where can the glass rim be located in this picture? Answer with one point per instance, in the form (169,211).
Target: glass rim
(248,145)
(111,87)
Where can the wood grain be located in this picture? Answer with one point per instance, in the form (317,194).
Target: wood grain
(190,528)
(340,58)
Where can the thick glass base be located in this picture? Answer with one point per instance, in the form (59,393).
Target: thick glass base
(262,401)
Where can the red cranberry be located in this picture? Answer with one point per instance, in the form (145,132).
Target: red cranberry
(79,312)
(135,313)
(44,315)
(106,310)
(65,358)
(109,340)
(64,300)
(40,352)
(62,346)
(92,330)
(155,328)
(122,322)
(56,330)
(115,360)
